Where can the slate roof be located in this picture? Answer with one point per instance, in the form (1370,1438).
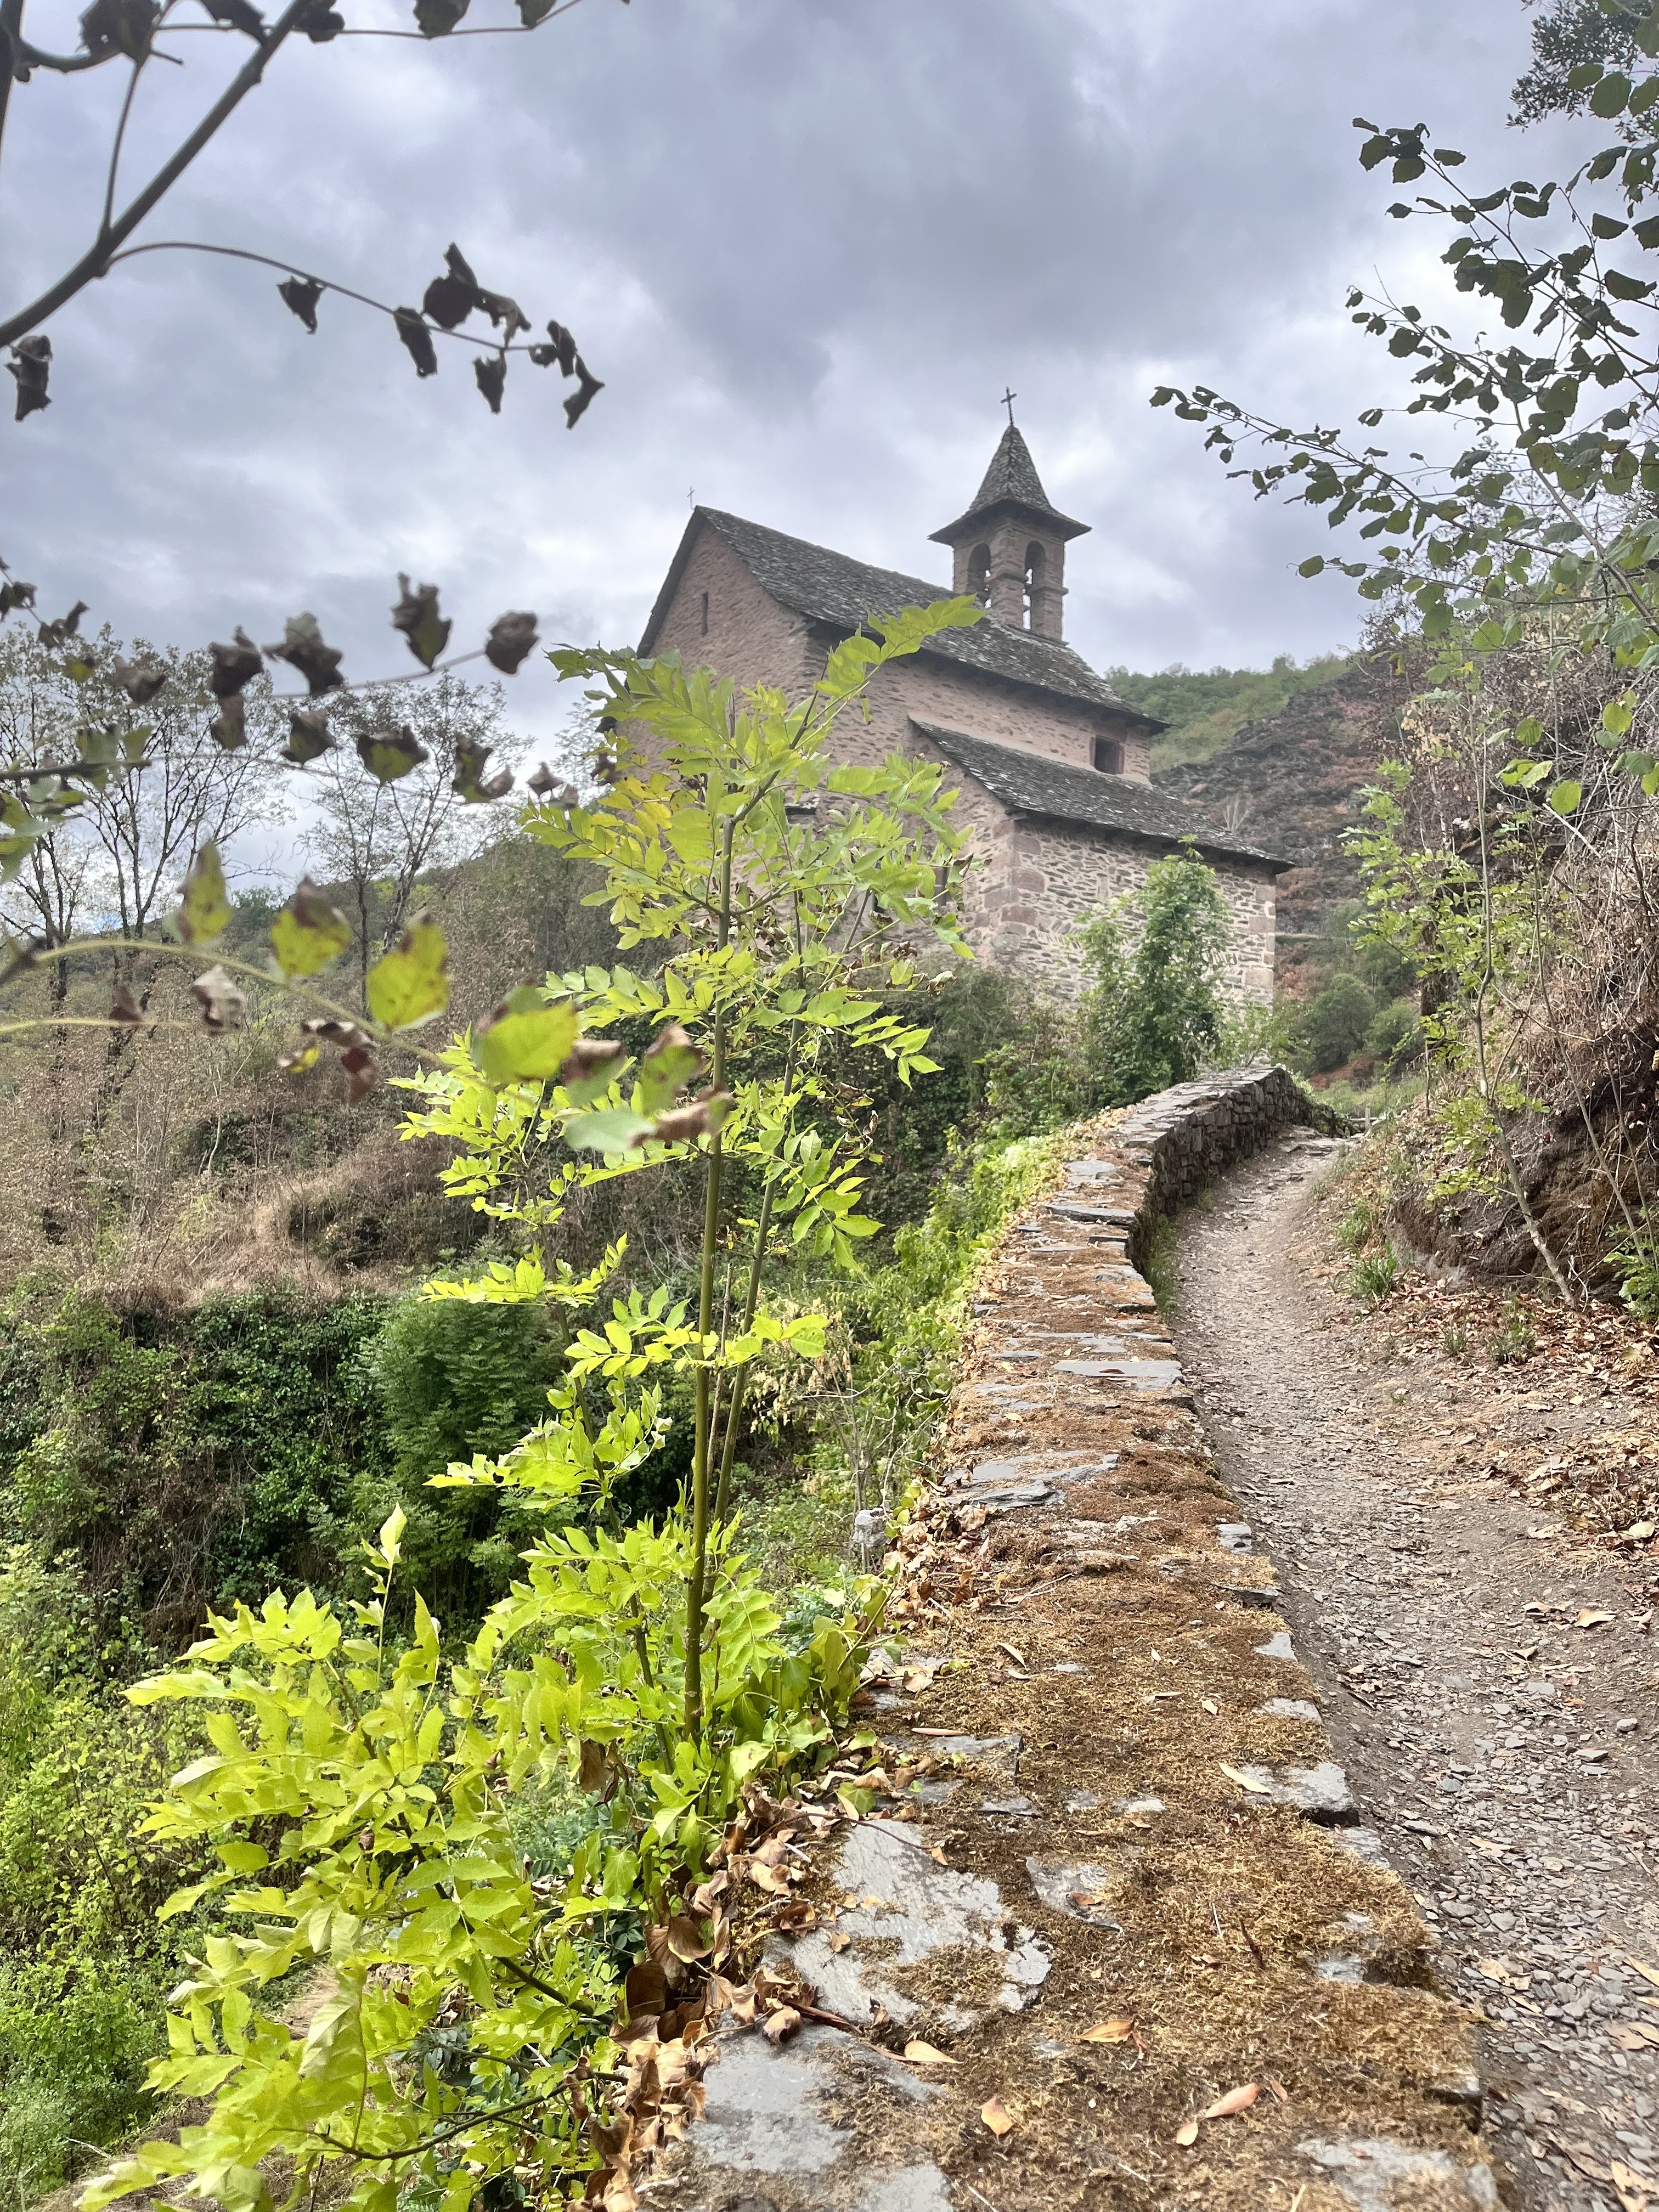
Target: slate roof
(835,589)
(1027,783)
(1011,480)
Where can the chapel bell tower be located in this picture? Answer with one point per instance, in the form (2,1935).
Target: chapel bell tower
(1010,546)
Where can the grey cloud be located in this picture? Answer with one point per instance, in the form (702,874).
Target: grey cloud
(804,245)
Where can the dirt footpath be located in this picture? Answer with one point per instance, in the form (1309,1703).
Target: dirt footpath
(1498,1733)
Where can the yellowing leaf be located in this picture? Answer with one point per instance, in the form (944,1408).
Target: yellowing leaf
(205,911)
(672,1062)
(924,2054)
(308,932)
(1108,2031)
(1236,2101)
(997,2116)
(411,984)
(1259,1788)
(526,1040)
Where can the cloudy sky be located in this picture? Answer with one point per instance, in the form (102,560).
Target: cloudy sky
(805,242)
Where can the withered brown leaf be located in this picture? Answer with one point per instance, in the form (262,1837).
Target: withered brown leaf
(418,338)
(233,664)
(31,364)
(300,295)
(512,637)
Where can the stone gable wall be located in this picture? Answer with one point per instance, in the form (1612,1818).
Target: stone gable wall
(1035,881)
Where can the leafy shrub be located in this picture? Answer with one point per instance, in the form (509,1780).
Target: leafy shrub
(1395,1037)
(1153,1016)
(84,1967)
(1333,1028)
(1636,1263)
(453,1379)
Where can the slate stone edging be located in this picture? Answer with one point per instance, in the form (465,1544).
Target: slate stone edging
(1068,1355)
(1182,1139)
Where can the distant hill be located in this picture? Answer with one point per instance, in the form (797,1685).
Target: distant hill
(1290,781)
(1204,707)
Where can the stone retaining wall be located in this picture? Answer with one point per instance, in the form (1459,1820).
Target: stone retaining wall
(1182,1139)
(1114,1889)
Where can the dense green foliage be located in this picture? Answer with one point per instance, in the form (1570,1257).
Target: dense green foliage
(1205,707)
(1153,1015)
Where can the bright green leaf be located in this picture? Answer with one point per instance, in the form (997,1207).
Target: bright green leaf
(527,1039)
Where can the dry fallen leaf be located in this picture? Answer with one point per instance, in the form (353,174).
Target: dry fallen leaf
(1209,1704)
(1186,2134)
(1591,1618)
(1647,1973)
(1108,2031)
(1493,1969)
(1259,1788)
(1277,2088)
(1009,1652)
(778,2027)
(838,1944)
(924,2054)
(1236,2101)
(996,2116)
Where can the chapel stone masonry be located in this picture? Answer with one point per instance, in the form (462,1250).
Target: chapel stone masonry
(1054,767)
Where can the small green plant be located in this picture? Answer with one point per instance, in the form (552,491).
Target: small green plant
(1160,1269)
(1513,1339)
(1455,1339)
(1636,1263)
(1375,1275)
(372,1792)
(1358,1225)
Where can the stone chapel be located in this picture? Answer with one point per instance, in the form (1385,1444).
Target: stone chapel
(1054,767)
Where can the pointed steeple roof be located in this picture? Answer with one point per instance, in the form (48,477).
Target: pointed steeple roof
(1011,485)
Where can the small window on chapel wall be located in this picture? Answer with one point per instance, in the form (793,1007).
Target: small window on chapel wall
(979,575)
(1109,755)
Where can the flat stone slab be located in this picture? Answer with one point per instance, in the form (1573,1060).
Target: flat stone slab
(1148,1375)
(903,1909)
(1235,1536)
(1277,1647)
(1322,1792)
(999,1752)
(1079,1889)
(775,2131)
(1366,1842)
(1291,1709)
(1375,2175)
(1265,1594)
(1014,1495)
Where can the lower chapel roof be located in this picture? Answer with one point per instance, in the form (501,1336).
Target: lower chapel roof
(834,588)
(1028,783)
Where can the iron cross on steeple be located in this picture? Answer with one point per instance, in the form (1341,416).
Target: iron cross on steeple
(1008,399)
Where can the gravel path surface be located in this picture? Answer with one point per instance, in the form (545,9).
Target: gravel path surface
(1508,1758)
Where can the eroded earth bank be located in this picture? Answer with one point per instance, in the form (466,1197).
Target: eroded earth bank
(1487,1676)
